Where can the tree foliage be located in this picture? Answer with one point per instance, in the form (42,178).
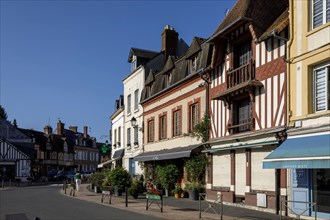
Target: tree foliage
(167,175)
(196,168)
(3,113)
(201,130)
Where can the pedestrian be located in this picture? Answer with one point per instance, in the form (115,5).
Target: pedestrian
(72,188)
(78,180)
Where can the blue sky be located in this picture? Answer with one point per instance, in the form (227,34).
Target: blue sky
(67,59)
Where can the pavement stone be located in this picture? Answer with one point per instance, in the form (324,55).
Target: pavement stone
(189,211)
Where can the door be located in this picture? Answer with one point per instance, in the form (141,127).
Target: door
(320,192)
(132,166)
(300,191)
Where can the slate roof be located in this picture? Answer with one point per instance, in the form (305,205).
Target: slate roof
(178,69)
(142,53)
(27,148)
(280,23)
(262,14)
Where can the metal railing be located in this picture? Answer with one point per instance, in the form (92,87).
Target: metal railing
(286,203)
(218,202)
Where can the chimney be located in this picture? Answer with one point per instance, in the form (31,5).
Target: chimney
(169,41)
(121,101)
(117,105)
(60,127)
(73,129)
(48,130)
(85,132)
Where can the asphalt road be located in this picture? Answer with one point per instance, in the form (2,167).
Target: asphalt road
(46,202)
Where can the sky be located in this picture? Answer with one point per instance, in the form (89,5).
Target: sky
(66,59)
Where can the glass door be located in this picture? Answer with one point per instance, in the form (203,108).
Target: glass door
(321,192)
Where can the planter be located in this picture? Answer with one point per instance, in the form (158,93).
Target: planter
(177,195)
(193,194)
(118,192)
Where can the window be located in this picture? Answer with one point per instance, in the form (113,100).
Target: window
(136,136)
(115,140)
(151,131)
(177,123)
(128,137)
(243,54)
(133,63)
(320,12)
(128,104)
(162,127)
(119,136)
(194,116)
(192,65)
(136,99)
(167,80)
(242,115)
(321,97)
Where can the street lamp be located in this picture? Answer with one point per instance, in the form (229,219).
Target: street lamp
(133,122)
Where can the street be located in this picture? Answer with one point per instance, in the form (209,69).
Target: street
(47,203)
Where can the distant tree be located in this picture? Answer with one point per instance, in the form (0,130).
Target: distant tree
(15,123)
(3,113)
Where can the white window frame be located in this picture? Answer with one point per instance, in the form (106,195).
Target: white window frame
(326,67)
(324,13)
(194,115)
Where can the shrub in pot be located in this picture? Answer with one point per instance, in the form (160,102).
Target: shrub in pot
(167,176)
(119,179)
(177,191)
(133,190)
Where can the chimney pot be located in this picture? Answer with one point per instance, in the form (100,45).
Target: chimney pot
(73,129)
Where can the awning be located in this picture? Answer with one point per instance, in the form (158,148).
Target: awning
(301,152)
(235,146)
(118,154)
(167,154)
(107,162)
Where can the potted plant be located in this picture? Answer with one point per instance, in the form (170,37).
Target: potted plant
(193,189)
(167,175)
(119,179)
(177,191)
(133,190)
(97,179)
(195,173)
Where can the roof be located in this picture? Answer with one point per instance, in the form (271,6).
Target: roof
(261,13)
(178,69)
(142,53)
(279,24)
(195,47)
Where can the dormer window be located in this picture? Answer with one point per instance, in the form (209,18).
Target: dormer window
(134,63)
(192,65)
(167,80)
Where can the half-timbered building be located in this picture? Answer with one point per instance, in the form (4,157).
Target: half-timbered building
(248,103)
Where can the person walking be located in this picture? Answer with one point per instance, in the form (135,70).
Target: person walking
(78,180)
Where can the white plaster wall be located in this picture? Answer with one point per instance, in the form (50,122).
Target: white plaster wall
(240,172)
(261,179)
(131,83)
(221,169)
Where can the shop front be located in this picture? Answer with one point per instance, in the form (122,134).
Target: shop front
(307,158)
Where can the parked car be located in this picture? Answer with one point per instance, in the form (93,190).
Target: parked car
(60,175)
(51,175)
(70,176)
(86,174)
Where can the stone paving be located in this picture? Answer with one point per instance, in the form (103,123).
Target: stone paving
(169,212)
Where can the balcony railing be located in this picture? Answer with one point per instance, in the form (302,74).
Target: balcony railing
(240,75)
(246,126)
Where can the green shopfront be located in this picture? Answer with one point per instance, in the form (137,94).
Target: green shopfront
(307,158)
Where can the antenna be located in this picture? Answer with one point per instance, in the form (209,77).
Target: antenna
(49,121)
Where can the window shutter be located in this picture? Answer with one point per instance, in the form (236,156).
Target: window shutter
(317,13)
(320,89)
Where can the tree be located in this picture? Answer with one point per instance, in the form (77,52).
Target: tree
(3,113)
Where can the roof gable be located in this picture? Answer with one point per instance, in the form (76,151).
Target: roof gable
(195,47)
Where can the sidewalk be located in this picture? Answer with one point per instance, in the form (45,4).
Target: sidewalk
(173,208)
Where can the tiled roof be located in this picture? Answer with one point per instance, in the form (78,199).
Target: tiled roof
(195,47)
(280,23)
(262,13)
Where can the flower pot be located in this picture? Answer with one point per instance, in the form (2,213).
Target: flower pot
(193,194)
(177,195)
